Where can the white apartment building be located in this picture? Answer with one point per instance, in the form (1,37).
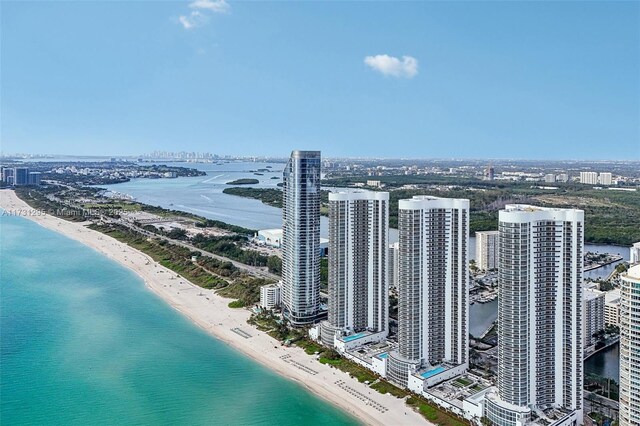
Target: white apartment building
(270,296)
(605,178)
(634,253)
(487,250)
(550,178)
(433,288)
(612,308)
(540,267)
(590,178)
(301,238)
(630,348)
(394,250)
(358,257)
(592,315)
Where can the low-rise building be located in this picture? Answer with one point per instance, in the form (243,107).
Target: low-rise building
(270,296)
(270,237)
(612,308)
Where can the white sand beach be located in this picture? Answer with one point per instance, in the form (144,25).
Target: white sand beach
(211,312)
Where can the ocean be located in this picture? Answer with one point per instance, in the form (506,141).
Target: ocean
(84,342)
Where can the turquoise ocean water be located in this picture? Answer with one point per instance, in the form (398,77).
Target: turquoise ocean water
(82,342)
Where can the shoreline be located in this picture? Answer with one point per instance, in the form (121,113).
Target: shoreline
(210,312)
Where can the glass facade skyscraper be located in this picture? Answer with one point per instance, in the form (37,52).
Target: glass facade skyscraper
(301,238)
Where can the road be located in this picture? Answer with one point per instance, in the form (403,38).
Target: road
(600,404)
(256,271)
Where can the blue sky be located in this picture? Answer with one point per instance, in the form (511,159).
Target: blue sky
(377,79)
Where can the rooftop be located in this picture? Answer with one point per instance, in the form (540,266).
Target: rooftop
(370,350)
(590,294)
(633,273)
(612,296)
(467,386)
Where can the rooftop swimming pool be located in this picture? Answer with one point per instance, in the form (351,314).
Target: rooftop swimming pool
(353,337)
(433,372)
(383,355)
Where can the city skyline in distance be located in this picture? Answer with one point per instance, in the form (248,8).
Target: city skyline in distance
(499,80)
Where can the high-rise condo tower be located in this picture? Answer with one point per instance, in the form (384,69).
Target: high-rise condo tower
(433,287)
(358,261)
(540,266)
(630,347)
(301,238)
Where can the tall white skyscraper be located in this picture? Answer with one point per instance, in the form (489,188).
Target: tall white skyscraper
(487,250)
(630,347)
(433,314)
(539,316)
(301,238)
(358,259)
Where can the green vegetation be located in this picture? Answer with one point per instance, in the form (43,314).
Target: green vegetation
(244,181)
(38,199)
(603,386)
(115,205)
(269,196)
(434,414)
(611,217)
(606,286)
(171,256)
(275,327)
(463,382)
(274,263)
(272,197)
(309,346)
(622,267)
(230,247)
(236,304)
(245,289)
(383,387)
(208,223)
(205,272)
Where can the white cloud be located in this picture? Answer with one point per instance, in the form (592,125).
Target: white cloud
(216,6)
(202,9)
(406,67)
(193,20)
